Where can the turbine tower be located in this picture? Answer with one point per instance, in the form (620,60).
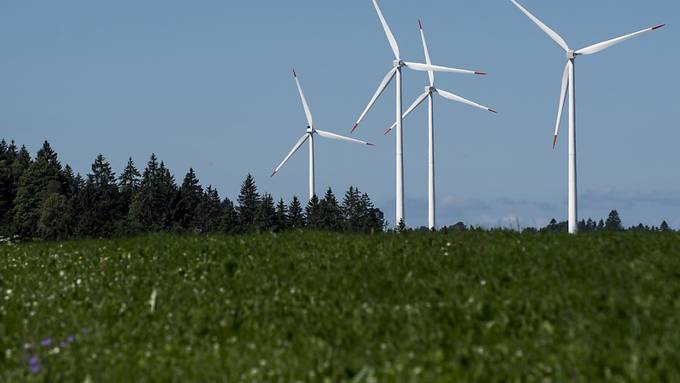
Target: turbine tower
(396,71)
(569,83)
(309,136)
(429,93)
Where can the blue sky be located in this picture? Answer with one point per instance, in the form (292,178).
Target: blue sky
(207,84)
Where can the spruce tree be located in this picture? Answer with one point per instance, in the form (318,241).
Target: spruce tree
(247,203)
(128,184)
(151,208)
(313,218)
(265,215)
(351,212)
(229,220)
(42,179)
(296,219)
(613,222)
(189,198)
(665,228)
(331,214)
(281,223)
(100,203)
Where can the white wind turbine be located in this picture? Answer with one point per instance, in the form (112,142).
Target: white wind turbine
(398,64)
(569,83)
(309,135)
(429,93)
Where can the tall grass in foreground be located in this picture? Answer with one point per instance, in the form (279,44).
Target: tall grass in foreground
(473,307)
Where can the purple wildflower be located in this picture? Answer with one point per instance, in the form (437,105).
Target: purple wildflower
(47,342)
(70,339)
(34,365)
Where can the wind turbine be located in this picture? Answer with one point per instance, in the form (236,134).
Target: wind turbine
(569,83)
(309,136)
(429,93)
(397,65)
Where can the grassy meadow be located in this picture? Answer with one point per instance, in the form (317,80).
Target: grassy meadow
(316,307)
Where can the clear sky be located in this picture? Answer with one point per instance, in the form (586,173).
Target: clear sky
(207,84)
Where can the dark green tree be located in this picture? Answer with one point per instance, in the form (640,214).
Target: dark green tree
(265,215)
(296,219)
(128,184)
(43,178)
(151,208)
(665,228)
(209,212)
(613,222)
(229,220)
(313,217)
(99,209)
(190,197)
(247,203)
(330,212)
(281,222)
(352,210)
(53,223)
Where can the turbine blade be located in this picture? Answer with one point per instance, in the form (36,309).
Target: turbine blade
(437,68)
(411,108)
(563,96)
(606,44)
(553,35)
(430,73)
(456,98)
(388,31)
(381,89)
(295,149)
(305,105)
(338,137)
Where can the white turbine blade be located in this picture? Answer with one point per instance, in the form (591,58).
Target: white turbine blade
(381,89)
(411,108)
(606,44)
(295,149)
(388,31)
(338,137)
(456,98)
(430,73)
(553,35)
(437,68)
(305,105)
(563,96)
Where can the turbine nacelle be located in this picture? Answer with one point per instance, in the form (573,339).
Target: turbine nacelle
(571,54)
(430,89)
(398,64)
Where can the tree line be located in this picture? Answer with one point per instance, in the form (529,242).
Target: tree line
(41,199)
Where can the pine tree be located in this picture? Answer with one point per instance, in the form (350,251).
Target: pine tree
(313,218)
(189,198)
(229,220)
(613,222)
(128,184)
(151,208)
(351,210)
(372,218)
(53,223)
(665,228)
(281,223)
(209,212)
(247,203)
(42,179)
(296,219)
(265,215)
(330,212)
(99,201)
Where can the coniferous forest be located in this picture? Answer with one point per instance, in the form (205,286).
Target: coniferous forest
(40,198)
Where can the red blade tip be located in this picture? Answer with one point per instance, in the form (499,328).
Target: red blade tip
(294,74)
(355,127)
(481,73)
(370,144)
(658,27)
(420,24)
(493,111)
(554,142)
(273,174)
(387,131)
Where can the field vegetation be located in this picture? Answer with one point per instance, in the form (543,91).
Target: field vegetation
(305,306)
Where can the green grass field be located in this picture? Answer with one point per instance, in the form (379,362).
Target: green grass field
(469,307)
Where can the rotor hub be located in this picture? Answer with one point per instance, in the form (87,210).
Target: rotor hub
(310,130)
(571,54)
(399,63)
(430,89)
